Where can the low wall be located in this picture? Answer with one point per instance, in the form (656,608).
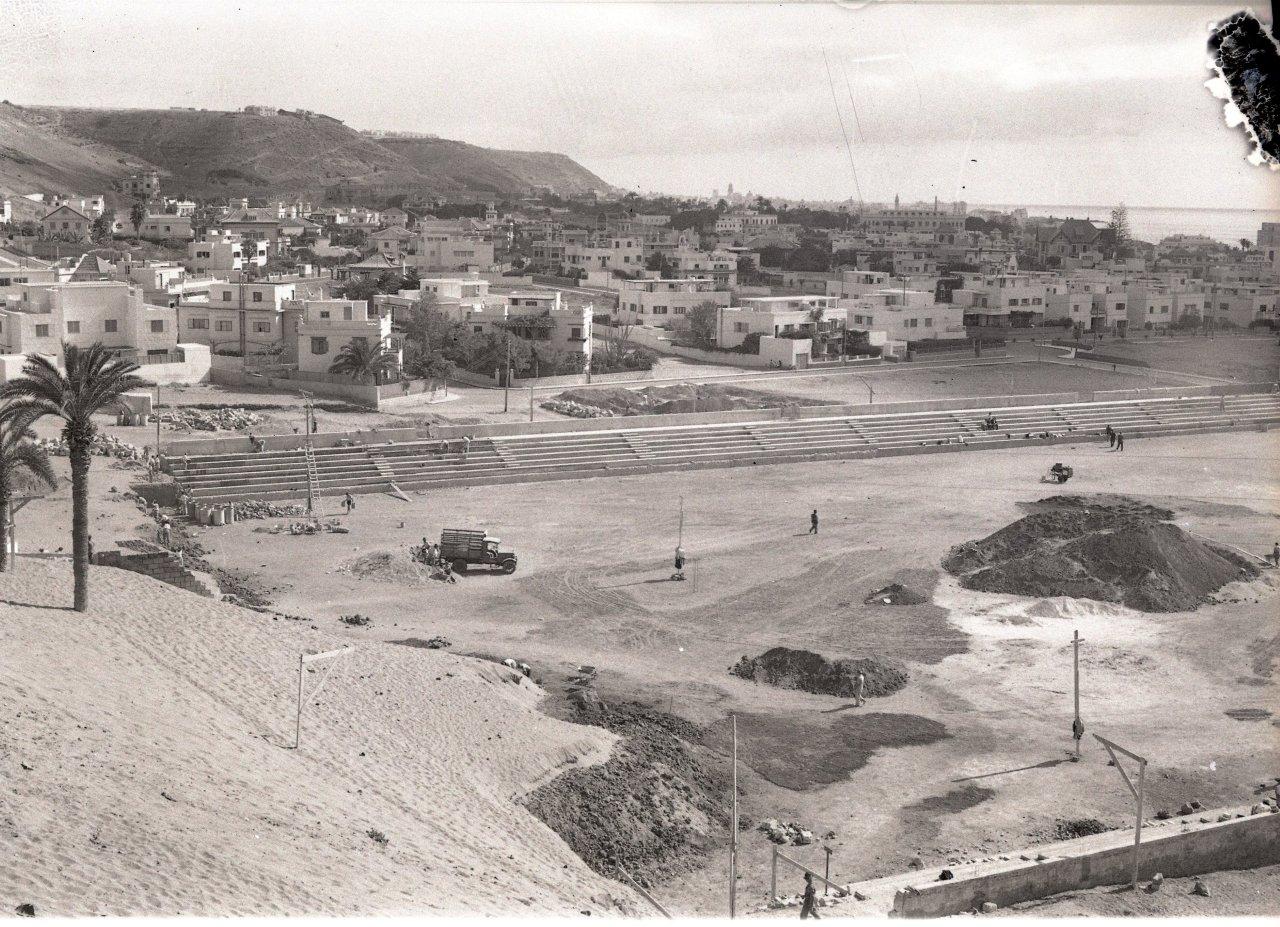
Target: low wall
(1239,843)
(196,367)
(363,393)
(239,444)
(154,561)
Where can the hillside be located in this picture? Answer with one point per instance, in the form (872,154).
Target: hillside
(147,757)
(35,157)
(211,153)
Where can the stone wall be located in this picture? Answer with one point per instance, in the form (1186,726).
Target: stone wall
(152,560)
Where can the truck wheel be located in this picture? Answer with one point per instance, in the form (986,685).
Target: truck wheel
(508,566)
(459,566)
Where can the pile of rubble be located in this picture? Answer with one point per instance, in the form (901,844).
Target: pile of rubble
(254,508)
(786,833)
(104,445)
(576,409)
(224,418)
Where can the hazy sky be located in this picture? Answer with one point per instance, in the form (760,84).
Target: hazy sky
(992,104)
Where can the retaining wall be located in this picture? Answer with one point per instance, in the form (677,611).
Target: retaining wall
(154,561)
(1238,843)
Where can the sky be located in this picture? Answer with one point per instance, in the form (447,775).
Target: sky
(1008,104)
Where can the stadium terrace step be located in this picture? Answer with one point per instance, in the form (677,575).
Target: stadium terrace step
(622,450)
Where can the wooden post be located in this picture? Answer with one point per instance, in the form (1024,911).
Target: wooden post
(506,383)
(733,837)
(1137,830)
(531,402)
(643,894)
(773,875)
(1138,793)
(827,849)
(1075,644)
(297,721)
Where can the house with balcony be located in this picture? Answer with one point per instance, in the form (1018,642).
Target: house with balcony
(81,313)
(1014,300)
(560,335)
(322,328)
(904,315)
(665,303)
(239,318)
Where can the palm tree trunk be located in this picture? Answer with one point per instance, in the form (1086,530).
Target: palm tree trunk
(6,494)
(80,459)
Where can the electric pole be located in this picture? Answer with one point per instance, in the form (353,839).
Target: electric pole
(733,837)
(1077,725)
(506,388)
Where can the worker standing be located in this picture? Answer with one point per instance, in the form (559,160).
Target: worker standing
(348,503)
(679,574)
(1111,436)
(809,902)
(859,690)
(1119,440)
(813,522)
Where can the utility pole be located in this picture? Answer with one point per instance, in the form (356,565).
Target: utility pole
(1077,726)
(680,529)
(733,838)
(156,415)
(506,388)
(531,402)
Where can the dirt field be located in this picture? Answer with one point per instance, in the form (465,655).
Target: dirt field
(988,704)
(1248,359)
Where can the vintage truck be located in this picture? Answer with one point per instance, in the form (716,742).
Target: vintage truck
(463,547)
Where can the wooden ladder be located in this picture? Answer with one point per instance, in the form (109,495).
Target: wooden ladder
(313,478)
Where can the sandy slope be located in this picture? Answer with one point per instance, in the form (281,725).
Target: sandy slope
(145,757)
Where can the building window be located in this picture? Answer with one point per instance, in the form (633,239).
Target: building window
(42,331)
(324,313)
(257,297)
(224,326)
(319,345)
(73,328)
(157,326)
(109,325)
(262,328)
(928,323)
(226,296)
(198,323)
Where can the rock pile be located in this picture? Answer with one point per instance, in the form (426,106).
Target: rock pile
(812,672)
(575,409)
(104,445)
(786,833)
(895,594)
(223,418)
(254,508)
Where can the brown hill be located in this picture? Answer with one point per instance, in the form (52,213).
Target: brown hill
(213,153)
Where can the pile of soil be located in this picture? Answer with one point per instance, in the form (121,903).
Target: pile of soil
(1111,550)
(664,400)
(656,807)
(387,567)
(1078,827)
(895,594)
(812,672)
(807,750)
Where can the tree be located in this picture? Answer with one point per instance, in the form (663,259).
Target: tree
(1119,227)
(101,228)
(1246,244)
(703,322)
(20,462)
(94,380)
(137,214)
(363,360)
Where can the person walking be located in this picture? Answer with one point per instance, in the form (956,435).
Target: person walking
(679,574)
(859,690)
(466,446)
(348,503)
(1275,553)
(1119,440)
(1111,436)
(813,522)
(809,902)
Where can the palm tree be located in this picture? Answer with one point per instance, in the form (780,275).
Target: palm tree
(94,380)
(362,360)
(21,464)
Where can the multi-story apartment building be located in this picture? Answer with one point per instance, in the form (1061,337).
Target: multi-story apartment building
(720,267)
(608,253)
(243,318)
(660,303)
(932,223)
(744,223)
(1242,304)
(905,315)
(112,312)
(560,334)
(163,227)
(814,317)
(322,328)
(224,254)
(1002,299)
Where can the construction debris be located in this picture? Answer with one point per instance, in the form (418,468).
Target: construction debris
(811,672)
(895,594)
(225,418)
(1200,888)
(103,445)
(575,409)
(254,508)
(787,833)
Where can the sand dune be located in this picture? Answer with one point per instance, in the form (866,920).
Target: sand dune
(146,748)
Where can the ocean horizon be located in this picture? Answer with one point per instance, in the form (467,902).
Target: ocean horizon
(1152,223)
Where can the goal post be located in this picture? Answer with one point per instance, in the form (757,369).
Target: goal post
(303,660)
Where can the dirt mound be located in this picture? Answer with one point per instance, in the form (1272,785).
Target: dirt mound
(387,566)
(1108,550)
(895,594)
(665,400)
(812,672)
(656,807)
(1078,827)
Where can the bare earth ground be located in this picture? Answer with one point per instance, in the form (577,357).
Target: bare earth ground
(1247,358)
(988,705)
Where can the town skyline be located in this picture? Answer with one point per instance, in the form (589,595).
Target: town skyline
(998,105)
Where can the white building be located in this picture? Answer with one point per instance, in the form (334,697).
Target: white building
(239,318)
(222,254)
(324,327)
(659,302)
(904,315)
(80,314)
(1016,300)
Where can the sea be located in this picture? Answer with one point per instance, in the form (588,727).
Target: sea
(1154,223)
